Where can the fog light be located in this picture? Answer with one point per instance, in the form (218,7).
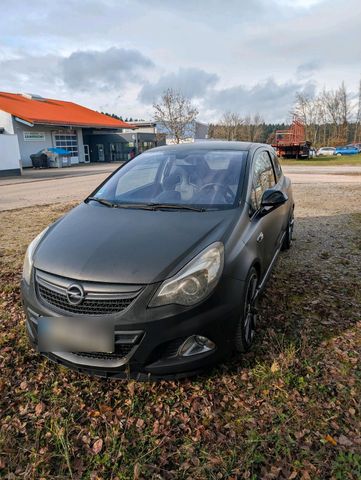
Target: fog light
(195,345)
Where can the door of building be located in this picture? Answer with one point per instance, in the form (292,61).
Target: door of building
(116,152)
(100,151)
(86,154)
(68,140)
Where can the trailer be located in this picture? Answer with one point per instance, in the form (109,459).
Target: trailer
(292,143)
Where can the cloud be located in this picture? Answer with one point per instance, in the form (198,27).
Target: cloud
(87,70)
(112,68)
(306,69)
(192,82)
(271,99)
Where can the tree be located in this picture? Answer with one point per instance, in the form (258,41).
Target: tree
(253,130)
(358,116)
(176,114)
(230,126)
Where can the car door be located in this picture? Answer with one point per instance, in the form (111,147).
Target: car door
(265,230)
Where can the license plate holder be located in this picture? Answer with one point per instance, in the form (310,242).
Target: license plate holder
(74,334)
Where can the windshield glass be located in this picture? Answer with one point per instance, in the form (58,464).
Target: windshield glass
(199,178)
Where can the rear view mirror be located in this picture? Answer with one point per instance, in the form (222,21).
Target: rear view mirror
(273,198)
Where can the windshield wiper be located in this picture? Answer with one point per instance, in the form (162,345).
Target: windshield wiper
(145,206)
(176,207)
(102,201)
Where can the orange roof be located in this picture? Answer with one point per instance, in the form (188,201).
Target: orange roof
(55,112)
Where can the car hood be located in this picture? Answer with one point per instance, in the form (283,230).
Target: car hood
(101,244)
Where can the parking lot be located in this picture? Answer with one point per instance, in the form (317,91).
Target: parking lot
(75,183)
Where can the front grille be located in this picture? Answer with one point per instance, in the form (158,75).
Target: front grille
(99,299)
(88,307)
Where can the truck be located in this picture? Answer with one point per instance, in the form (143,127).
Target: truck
(292,143)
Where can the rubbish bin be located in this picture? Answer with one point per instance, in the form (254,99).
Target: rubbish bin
(61,157)
(39,160)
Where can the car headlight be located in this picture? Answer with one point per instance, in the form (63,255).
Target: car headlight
(28,260)
(194,281)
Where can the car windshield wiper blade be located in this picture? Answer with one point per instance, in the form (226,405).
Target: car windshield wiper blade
(145,206)
(103,201)
(176,207)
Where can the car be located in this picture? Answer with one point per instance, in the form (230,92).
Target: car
(347,150)
(157,274)
(356,145)
(326,151)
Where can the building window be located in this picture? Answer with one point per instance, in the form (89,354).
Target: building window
(68,141)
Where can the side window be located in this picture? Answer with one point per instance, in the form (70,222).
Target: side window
(263,178)
(277,166)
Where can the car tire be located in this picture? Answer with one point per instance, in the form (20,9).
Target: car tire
(287,241)
(248,317)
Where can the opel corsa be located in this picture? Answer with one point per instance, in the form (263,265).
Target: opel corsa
(157,273)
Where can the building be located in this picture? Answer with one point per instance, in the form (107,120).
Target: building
(30,123)
(197,131)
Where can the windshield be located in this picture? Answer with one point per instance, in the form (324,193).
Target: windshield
(198,178)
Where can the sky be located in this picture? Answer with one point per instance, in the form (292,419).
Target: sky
(118,56)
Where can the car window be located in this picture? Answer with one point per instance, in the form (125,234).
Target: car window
(139,176)
(277,167)
(207,178)
(263,178)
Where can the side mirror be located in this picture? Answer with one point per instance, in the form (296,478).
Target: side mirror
(273,198)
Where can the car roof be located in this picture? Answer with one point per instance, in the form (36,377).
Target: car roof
(213,145)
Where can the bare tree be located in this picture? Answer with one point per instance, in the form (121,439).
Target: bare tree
(358,116)
(230,125)
(176,114)
(252,130)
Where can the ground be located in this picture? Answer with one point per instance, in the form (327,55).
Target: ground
(290,409)
(323,161)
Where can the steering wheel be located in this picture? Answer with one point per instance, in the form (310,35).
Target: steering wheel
(225,190)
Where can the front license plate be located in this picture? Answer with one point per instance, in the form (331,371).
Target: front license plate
(74,334)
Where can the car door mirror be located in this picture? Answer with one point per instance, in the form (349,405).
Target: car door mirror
(273,198)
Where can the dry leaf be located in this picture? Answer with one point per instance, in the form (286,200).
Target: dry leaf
(136,472)
(275,367)
(140,423)
(39,409)
(331,440)
(97,446)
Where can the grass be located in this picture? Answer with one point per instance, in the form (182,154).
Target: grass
(326,161)
(287,410)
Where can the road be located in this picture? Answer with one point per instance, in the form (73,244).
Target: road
(41,187)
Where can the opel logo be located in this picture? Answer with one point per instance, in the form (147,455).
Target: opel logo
(75,294)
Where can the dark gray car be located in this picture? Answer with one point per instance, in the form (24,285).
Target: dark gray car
(158,272)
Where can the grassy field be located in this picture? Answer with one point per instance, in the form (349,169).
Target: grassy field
(326,161)
(290,409)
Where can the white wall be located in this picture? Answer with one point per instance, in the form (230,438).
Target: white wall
(6,122)
(9,154)
(29,147)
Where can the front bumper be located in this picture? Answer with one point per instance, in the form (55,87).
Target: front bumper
(159,333)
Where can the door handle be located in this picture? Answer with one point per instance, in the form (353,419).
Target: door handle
(260,237)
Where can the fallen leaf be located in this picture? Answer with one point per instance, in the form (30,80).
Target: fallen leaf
(39,409)
(136,472)
(97,446)
(331,440)
(140,423)
(275,367)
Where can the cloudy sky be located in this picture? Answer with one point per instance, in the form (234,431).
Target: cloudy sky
(232,55)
